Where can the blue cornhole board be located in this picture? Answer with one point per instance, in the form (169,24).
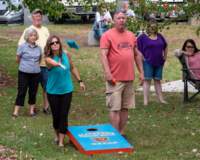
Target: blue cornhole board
(96,139)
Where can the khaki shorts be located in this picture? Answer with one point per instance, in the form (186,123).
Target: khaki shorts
(120,96)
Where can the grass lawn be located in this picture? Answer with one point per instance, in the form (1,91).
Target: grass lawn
(158,132)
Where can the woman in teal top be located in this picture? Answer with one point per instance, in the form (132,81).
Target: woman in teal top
(59,85)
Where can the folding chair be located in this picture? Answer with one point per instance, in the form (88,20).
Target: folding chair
(188,77)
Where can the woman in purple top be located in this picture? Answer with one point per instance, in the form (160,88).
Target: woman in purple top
(153,46)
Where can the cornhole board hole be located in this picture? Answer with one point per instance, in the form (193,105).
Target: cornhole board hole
(97,139)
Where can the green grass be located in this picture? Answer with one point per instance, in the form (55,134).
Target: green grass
(158,132)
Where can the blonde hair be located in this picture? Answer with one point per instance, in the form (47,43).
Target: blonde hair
(28,32)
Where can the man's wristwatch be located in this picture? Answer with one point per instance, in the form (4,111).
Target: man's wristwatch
(79,81)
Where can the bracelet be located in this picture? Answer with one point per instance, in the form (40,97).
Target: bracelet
(79,81)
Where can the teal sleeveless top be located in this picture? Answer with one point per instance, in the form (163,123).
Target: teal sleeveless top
(59,79)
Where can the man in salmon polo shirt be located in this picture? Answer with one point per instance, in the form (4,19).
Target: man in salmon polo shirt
(118,55)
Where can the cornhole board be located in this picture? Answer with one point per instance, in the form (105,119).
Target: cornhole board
(97,139)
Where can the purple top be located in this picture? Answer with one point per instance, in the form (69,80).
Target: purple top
(152,50)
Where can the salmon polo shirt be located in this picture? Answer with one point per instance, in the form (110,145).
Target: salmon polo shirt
(120,55)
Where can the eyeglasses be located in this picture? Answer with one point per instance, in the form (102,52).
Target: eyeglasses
(189,46)
(55,42)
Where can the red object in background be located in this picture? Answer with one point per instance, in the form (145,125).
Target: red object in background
(165,6)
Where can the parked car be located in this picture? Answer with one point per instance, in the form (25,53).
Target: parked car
(11,13)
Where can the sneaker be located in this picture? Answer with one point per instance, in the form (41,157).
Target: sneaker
(33,114)
(46,111)
(56,141)
(163,102)
(61,145)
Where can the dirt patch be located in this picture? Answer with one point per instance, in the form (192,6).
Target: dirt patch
(5,79)
(14,33)
(7,153)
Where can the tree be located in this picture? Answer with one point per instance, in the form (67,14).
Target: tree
(11,6)
(53,8)
(143,10)
(191,9)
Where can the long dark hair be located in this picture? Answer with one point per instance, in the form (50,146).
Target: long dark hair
(191,41)
(48,51)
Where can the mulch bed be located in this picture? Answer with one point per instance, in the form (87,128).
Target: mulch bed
(5,79)
(7,153)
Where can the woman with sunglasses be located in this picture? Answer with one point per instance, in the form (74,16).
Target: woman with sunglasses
(153,47)
(192,56)
(60,86)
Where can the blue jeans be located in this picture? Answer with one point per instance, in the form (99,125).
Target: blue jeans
(152,72)
(99,28)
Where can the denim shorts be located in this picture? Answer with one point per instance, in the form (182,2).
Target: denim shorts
(152,72)
(43,77)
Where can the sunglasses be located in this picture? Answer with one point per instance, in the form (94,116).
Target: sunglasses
(55,42)
(189,46)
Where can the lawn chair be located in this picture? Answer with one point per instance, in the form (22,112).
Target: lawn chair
(188,77)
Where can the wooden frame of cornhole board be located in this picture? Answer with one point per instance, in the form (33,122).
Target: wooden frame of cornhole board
(98,139)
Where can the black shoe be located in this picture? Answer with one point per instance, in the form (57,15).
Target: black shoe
(46,111)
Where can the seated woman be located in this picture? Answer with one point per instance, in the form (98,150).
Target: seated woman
(192,57)
(102,21)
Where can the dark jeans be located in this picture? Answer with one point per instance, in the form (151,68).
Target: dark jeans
(43,77)
(60,105)
(27,81)
(99,29)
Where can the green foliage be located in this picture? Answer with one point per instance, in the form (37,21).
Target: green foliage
(146,7)
(135,25)
(53,8)
(192,9)
(88,4)
(11,6)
